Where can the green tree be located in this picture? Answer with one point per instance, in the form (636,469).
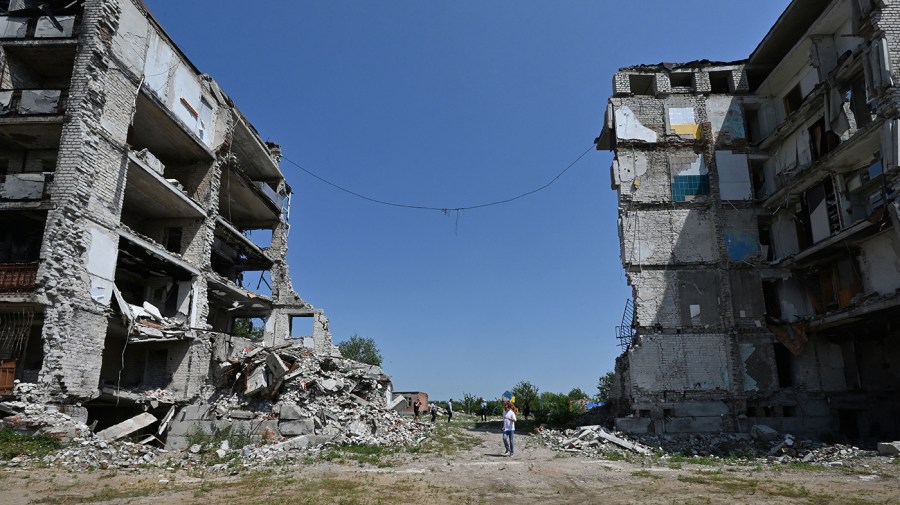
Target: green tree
(577,394)
(525,390)
(361,349)
(604,386)
(243,327)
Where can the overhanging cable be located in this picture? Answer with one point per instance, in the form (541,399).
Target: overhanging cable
(441,209)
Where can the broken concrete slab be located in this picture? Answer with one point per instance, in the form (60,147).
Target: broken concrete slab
(276,365)
(241,414)
(290,412)
(889,448)
(299,427)
(763,432)
(256,381)
(125,428)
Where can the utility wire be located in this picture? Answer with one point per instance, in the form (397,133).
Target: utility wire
(441,209)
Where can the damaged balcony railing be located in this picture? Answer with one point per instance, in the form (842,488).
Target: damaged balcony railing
(38,27)
(625,331)
(32,102)
(18,277)
(270,193)
(25,186)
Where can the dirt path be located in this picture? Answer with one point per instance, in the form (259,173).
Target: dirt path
(465,465)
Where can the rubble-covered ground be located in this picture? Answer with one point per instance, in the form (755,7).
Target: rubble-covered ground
(461,463)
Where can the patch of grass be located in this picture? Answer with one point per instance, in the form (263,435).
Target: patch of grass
(449,438)
(613,456)
(14,444)
(377,455)
(696,460)
(105,494)
(646,473)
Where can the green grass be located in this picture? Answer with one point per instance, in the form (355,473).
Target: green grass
(376,455)
(646,473)
(14,444)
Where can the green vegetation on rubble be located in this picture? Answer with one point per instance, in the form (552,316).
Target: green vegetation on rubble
(14,444)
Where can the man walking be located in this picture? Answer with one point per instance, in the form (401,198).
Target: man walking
(449,410)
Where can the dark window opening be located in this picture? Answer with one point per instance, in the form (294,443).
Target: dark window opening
(821,141)
(758,173)
(681,79)
(803,226)
(770,297)
(641,84)
(173,240)
(792,100)
(848,423)
(753,128)
(789,411)
(765,240)
(783,359)
(720,82)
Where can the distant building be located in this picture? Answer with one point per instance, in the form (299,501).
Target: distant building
(138,210)
(759,227)
(410,399)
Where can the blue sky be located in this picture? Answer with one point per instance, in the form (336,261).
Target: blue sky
(452,104)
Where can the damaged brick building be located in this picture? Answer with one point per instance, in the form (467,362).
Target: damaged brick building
(137,204)
(759,227)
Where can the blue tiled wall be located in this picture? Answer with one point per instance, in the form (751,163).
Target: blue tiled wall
(689,185)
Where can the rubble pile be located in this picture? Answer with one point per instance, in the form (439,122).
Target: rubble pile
(764,443)
(291,399)
(592,441)
(40,419)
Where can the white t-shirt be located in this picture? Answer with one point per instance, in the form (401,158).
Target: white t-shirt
(509,421)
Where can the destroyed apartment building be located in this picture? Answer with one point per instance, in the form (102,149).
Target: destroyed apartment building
(143,220)
(759,228)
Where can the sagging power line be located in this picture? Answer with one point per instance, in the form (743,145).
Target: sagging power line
(445,210)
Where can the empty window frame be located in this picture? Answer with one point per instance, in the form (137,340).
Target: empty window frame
(720,81)
(641,84)
(792,100)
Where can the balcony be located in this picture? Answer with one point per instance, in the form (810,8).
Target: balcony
(245,204)
(32,102)
(41,28)
(149,194)
(25,186)
(18,277)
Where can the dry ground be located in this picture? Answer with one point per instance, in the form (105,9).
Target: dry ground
(463,465)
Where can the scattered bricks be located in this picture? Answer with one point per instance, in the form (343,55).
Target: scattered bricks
(127,427)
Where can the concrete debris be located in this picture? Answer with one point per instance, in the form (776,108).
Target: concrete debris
(889,448)
(593,441)
(128,427)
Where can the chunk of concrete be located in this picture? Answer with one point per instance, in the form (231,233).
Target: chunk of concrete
(299,427)
(763,432)
(298,442)
(889,448)
(124,428)
(241,414)
(290,412)
(256,381)
(276,365)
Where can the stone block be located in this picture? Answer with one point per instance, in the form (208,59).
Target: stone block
(241,414)
(889,448)
(186,428)
(299,427)
(763,432)
(193,413)
(290,412)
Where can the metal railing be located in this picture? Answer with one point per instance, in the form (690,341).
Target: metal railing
(33,102)
(18,277)
(625,331)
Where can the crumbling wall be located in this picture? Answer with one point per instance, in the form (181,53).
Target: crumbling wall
(680,362)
